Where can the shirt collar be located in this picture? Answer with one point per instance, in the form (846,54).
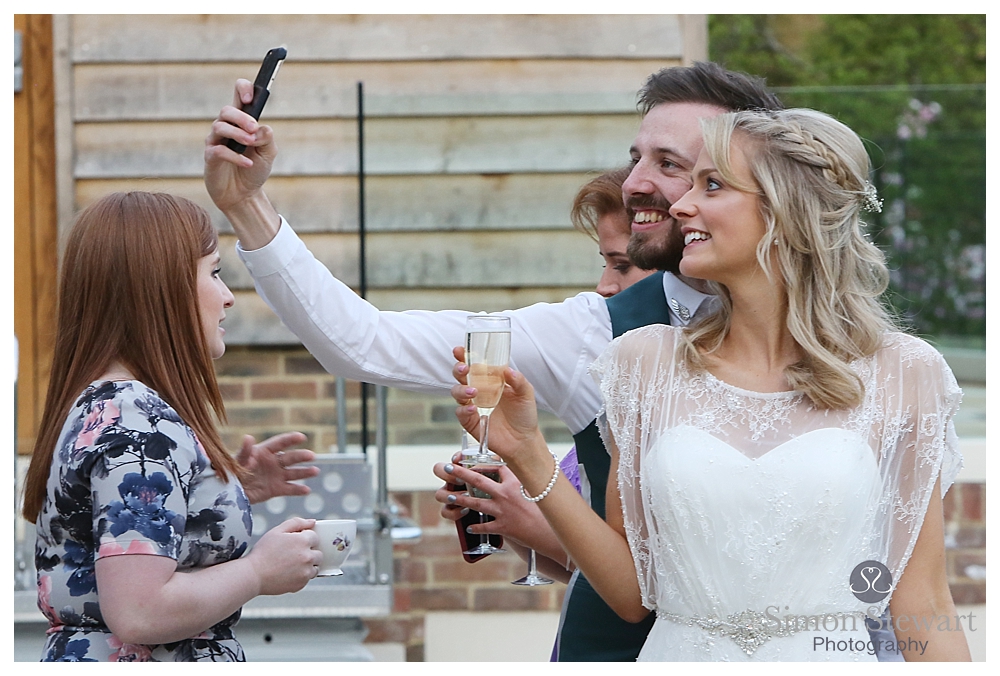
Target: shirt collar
(684,302)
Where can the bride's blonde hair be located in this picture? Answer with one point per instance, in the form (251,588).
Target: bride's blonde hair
(811,173)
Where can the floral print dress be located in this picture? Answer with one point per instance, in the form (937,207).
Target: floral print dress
(130,477)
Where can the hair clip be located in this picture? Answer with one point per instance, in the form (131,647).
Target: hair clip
(870,200)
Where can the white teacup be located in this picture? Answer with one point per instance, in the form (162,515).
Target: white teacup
(336,537)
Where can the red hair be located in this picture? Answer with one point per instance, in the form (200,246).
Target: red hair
(598,198)
(128,294)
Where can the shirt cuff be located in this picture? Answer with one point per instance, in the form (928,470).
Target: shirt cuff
(274,256)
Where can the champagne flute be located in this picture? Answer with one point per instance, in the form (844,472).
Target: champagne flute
(532,579)
(487,353)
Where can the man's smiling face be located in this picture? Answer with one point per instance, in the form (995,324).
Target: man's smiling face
(663,155)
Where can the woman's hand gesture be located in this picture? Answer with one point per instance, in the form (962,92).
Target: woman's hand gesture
(273,466)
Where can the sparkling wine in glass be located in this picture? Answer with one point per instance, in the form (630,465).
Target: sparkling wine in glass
(487,354)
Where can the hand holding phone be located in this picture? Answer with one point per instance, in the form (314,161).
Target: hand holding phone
(261,89)
(471,517)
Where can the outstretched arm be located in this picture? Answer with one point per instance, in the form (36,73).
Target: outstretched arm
(352,338)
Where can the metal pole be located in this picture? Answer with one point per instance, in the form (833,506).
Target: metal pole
(381,443)
(341,415)
(362,267)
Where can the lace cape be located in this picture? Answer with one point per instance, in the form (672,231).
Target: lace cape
(905,419)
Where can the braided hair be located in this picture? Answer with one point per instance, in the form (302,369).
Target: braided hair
(811,173)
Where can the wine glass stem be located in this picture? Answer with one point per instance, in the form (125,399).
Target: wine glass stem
(484,430)
(532,570)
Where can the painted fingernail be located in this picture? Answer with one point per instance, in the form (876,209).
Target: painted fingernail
(451,499)
(463,368)
(468,529)
(470,391)
(449,468)
(465,510)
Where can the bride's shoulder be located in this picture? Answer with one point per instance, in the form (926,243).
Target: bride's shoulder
(653,336)
(647,342)
(919,368)
(913,359)
(908,349)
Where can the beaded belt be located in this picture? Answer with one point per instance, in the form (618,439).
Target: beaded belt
(749,629)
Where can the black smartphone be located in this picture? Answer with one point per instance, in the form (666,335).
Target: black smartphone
(465,537)
(261,89)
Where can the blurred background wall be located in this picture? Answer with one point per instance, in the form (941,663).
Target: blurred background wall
(479,129)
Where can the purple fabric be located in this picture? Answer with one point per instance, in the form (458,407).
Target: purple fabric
(570,466)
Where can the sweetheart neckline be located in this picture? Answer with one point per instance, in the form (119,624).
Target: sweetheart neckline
(780,446)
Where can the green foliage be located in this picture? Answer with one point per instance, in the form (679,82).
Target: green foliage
(913,49)
(852,49)
(914,87)
(750,43)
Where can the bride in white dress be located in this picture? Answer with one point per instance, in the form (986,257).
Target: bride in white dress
(781,463)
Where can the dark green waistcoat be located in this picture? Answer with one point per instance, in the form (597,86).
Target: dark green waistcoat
(591,631)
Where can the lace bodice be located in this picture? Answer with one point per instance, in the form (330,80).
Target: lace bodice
(736,500)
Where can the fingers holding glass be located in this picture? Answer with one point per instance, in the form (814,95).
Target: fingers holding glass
(490,468)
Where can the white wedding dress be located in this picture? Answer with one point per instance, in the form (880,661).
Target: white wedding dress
(747,512)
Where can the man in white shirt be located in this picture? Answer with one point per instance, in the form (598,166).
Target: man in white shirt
(553,344)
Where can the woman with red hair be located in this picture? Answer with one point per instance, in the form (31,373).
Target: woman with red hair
(142,520)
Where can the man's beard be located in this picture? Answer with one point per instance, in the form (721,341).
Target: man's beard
(653,251)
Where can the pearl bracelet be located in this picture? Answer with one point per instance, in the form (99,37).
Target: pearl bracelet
(552,482)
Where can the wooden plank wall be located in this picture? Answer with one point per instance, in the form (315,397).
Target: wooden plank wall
(34,224)
(479,131)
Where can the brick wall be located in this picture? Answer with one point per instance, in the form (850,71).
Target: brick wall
(271,390)
(965,538)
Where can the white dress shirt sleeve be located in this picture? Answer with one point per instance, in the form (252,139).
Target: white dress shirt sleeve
(552,344)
